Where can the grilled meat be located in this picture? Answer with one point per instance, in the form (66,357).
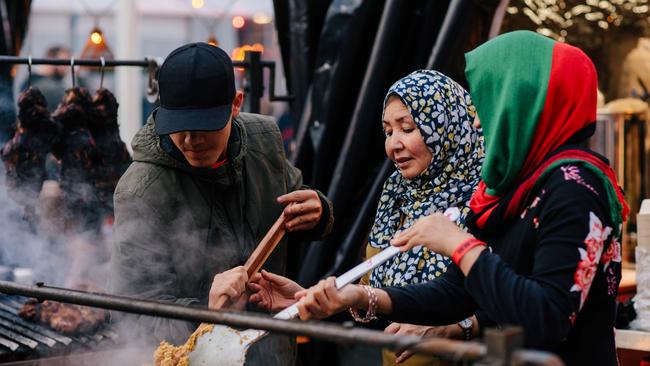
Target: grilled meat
(112,156)
(29,310)
(65,318)
(24,155)
(77,152)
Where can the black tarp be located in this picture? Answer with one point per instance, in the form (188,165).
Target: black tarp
(342,75)
(299,24)
(362,48)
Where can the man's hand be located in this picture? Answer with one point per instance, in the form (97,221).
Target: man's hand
(272,292)
(304,213)
(232,284)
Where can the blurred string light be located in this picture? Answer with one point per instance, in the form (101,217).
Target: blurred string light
(96,45)
(560,18)
(238,54)
(238,22)
(212,40)
(198,4)
(96,36)
(262,18)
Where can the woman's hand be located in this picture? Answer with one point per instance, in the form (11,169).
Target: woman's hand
(272,292)
(232,284)
(305,212)
(436,232)
(323,299)
(445,331)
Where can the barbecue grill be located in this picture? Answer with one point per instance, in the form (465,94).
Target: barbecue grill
(21,339)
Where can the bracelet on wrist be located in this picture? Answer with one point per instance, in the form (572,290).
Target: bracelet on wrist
(372,307)
(464,248)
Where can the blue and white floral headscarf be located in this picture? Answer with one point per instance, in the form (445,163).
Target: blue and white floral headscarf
(443,112)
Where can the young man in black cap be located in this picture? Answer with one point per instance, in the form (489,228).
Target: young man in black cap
(206,184)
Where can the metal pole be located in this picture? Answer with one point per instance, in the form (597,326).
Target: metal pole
(331,332)
(451,349)
(254,80)
(77,62)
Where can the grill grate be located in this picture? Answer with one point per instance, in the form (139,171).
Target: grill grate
(21,339)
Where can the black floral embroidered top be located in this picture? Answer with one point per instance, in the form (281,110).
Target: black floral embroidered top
(554,271)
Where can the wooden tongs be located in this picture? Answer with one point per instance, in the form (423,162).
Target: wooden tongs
(252,265)
(261,252)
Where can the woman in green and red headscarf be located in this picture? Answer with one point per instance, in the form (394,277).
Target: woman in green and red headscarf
(544,250)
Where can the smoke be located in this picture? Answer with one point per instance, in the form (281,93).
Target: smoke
(21,246)
(35,247)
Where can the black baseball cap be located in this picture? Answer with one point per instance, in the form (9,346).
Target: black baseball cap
(197,87)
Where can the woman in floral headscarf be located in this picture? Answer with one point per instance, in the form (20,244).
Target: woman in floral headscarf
(549,210)
(427,122)
(442,112)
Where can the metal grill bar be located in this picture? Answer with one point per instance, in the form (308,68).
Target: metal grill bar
(83,340)
(18,338)
(29,333)
(12,303)
(9,344)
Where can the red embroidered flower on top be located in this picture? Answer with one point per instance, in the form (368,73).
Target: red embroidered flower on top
(612,254)
(589,257)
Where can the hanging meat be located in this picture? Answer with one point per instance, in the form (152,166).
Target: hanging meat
(77,152)
(25,154)
(112,156)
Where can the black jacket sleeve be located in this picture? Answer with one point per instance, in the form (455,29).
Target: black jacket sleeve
(544,301)
(439,302)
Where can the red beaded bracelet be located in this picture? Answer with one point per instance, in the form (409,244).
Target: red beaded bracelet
(465,247)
